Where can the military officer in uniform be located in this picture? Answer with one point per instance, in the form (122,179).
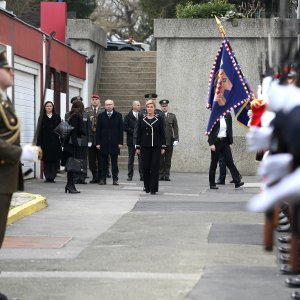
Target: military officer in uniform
(93,153)
(11,153)
(172,139)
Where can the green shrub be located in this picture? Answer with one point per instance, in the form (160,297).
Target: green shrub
(209,9)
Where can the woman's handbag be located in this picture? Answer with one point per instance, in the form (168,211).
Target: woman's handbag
(75,165)
(63,129)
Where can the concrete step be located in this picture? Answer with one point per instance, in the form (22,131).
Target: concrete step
(131,75)
(129,55)
(131,64)
(127,79)
(116,68)
(123,92)
(127,86)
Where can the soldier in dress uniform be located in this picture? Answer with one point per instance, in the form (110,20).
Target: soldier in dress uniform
(172,138)
(93,153)
(11,153)
(86,140)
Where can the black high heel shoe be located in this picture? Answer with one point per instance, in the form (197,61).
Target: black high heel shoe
(71,190)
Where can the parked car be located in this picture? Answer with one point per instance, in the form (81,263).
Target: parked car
(122,46)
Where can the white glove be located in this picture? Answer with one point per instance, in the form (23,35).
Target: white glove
(250,113)
(275,167)
(288,189)
(175,143)
(30,153)
(259,138)
(90,144)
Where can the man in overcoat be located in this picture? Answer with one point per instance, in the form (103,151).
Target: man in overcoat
(172,139)
(130,121)
(109,140)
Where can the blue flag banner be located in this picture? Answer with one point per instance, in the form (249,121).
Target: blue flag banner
(228,89)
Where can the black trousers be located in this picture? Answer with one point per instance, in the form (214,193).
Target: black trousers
(165,162)
(50,169)
(222,168)
(131,154)
(151,160)
(222,147)
(5,200)
(105,165)
(94,160)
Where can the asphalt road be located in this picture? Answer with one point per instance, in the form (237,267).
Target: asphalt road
(116,242)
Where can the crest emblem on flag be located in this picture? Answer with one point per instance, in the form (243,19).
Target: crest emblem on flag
(228,89)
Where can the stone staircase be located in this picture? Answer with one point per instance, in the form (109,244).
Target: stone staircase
(127,76)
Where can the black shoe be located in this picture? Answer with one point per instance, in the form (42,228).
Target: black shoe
(213,187)
(220,182)
(296,295)
(284,228)
(286,269)
(238,184)
(284,239)
(129,179)
(232,181)
(293,281)
(81,182)
(167,178)
(146,191)
(3,297)
(115,182)
(102,182)
(284,258)
(94,180)
(283,221)
(71,190)
(152,193)
(283,249)
(47,180)
(162,178)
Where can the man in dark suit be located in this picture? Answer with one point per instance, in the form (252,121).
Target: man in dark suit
(220,141)
(172,138)
(11,153)
(130,121)
(109,140)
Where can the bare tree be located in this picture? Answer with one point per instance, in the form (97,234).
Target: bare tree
(122,17)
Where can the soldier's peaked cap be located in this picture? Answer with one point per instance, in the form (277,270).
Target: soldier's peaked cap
(3,59)
(95,96)
(150,96)
(164,101)
(76,98)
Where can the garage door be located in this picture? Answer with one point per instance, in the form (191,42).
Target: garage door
(25,107)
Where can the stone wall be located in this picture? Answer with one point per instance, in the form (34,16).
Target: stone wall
(186,49)
(89,39)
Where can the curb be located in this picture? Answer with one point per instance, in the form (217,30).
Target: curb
(26,209)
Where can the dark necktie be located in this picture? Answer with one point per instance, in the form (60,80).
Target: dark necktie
(95,111)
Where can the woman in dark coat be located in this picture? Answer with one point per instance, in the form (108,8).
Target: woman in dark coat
(71,145)
(49,141)
(150,143)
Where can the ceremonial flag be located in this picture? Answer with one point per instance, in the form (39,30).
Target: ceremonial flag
(228,89)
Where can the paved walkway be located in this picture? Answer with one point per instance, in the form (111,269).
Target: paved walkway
(116,242)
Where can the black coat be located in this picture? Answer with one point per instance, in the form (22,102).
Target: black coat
(48,140)
(129,125)
(150,133)
(109,132)
(212,138)
(73,148)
